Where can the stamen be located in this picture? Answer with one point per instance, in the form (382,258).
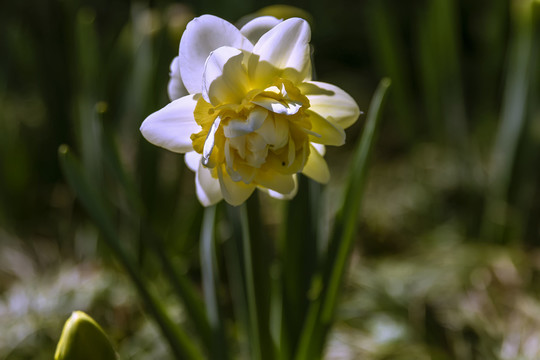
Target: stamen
(317,135)
(210,141)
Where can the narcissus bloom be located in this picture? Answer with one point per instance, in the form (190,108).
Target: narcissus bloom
(252,117)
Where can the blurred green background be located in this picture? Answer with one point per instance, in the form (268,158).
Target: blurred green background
(447,261)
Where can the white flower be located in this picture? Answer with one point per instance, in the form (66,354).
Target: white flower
(253,117)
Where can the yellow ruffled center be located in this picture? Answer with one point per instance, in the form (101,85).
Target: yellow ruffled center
(266,132)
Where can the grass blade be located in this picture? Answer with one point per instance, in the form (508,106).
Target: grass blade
(184,290)
(512,120)
(299,260)
(181,345)
(321,311)
(344,229)
(386,41)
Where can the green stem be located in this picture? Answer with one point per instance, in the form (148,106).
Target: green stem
(512,120)
(250,285)
(210,277)
(321,311)
(235,271)
(184,290)
(299,261)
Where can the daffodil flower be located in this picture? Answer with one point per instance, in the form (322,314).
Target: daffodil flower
(252,117)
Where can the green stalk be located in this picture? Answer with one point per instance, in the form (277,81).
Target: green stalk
(391,58)
(299,260)
(321,311)
(184,290)
(345,227)
(210,277)
(88,127)
(235,271)
(249,247)
(512,120)
(250,286)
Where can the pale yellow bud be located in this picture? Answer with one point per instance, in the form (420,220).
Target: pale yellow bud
(83,339)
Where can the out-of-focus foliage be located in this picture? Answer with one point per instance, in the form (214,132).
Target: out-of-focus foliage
(37,303)
(446,263)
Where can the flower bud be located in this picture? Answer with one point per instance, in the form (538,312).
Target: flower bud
(83,339)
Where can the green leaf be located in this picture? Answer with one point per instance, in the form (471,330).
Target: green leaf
(387,46)
(83,339)
(250,248)
(183,288)
(299,261)
(513,116)
(321,311)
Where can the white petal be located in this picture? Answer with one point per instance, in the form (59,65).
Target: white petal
(321,149)
(210,141)
(277,195)
(234,192)
(257,27)
(192,160)
(202,36)
(278,107)
(225,77)
(283,51)
(316,167)
(255,120)
(330,133)
(331,102)
(275,131)
(176,88)
(208,189)
(172,126)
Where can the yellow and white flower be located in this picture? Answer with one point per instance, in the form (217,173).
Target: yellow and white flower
(252,117)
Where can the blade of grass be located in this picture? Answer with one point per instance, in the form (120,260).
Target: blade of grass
(345,226)
(87,56)
(179,341)
(391,57)
(512,120)
(210,278)
(448,52)
(441,74)
(322,309)
(184,290)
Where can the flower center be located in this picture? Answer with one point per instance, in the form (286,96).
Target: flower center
(266,132)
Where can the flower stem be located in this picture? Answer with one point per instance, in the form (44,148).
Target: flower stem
(321,311)
(250,285)
(210,277)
